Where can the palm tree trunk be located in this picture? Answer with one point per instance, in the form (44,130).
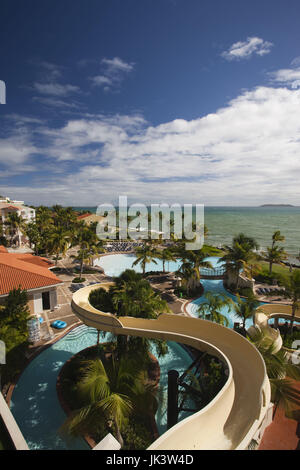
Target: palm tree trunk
(270,267)
(237,280)
(81,268)
(118,434)
(19,237)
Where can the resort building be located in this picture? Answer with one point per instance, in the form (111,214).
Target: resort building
(31,273)
(27,214)
(7,206)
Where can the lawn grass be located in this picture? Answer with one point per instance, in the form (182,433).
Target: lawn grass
(276,268)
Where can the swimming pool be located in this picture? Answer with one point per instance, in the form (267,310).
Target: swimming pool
(114,265)
(36,407)
(216,287)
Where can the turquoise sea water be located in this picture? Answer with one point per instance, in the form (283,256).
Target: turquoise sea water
(259,222)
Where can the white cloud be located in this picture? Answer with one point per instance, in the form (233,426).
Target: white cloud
(55,89)
(245,49)
(245,153)
(56,103)
(15,150)
(116,65)
(114,72)
(289,77)
(101,80)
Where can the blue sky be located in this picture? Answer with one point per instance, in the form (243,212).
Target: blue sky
(163,101)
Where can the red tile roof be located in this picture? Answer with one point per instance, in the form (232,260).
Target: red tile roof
(83,216)
(3,249)
(11,207)
(25,271)
(39,261)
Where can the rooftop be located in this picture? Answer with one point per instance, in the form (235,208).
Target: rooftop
(24,270)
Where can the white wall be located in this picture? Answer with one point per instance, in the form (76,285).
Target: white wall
(38,303)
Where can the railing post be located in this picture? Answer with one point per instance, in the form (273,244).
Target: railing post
(172,415)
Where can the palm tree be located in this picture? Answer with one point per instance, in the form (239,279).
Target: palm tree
(166,255)
(197,258)
(246,241)
(275,254)
(132,295)
(145,255)
(59,241)
(16,224)
(88,244)
(280,371)
(291,291)
(211,308)
(239,256)
(188,276)
(245,309)
(44,218)
(108,392)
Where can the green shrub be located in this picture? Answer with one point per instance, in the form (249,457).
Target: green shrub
(78,279)
(101,300)
(136,435)
(288,339)
(85,271)
(245,291)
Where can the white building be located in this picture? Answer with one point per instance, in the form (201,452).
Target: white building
(8,206)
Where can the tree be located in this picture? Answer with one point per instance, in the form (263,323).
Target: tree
(132,295)
(16,224)
(198,260)
(245,309)
(166,255)
(109,392)
(275,254)
(88,245)
(291,291)
(14,316)
(34,236)
(281,373)
(145,255)
(189,276)
(239,256)
(212,307)
(59,241)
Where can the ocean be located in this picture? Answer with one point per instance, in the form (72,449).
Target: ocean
(224,223)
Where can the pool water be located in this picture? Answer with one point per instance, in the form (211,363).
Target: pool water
(114,265)
(35,405)
(216,287)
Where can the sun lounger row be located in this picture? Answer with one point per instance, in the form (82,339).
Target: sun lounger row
(268,290)
(122,246)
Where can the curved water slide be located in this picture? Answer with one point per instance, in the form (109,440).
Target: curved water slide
(233,417)
(267,311)
(279,311)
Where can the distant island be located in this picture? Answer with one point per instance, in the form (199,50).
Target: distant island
(276,205)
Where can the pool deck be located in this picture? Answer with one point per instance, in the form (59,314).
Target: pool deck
(64,312)
(283,433)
